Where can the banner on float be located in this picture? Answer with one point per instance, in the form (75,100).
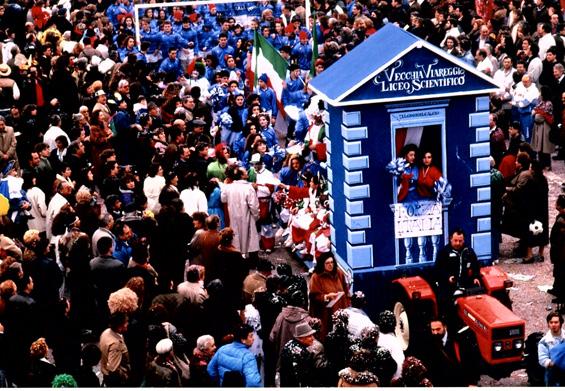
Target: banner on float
(418,218)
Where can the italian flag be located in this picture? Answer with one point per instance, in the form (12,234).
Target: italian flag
(266,59)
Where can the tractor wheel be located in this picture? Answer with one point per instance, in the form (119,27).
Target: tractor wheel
(412,318)
(402,329)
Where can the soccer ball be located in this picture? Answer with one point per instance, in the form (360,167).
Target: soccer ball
(536,228)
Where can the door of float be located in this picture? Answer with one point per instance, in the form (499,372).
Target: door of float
(421,222)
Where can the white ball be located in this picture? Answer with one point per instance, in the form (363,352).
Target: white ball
(536,227)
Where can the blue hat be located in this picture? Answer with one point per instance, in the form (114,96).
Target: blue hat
(264,77)
(8,167)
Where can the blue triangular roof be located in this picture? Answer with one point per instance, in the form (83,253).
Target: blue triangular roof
(352,79)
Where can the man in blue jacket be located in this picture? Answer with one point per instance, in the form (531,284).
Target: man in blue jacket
(169,39)
(172,66)
(222,49)
(235,359)
(302,52)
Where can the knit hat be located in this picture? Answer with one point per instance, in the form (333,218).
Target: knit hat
(264,77)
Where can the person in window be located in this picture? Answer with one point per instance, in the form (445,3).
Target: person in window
(407,191)
(428,175)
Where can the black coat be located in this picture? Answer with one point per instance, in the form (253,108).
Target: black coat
(169,245)
(463,265)
(299,367)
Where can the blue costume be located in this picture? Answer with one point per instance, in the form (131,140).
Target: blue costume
(171,40)
(268,100)
(189,35)
(303,55)
(171,67)
(215,205)
(269,136)
(220,53)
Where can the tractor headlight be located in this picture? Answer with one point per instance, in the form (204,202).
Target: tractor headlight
(518,344)
(497,346)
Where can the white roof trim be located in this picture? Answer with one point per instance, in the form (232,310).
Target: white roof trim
(337,103)
(418,44)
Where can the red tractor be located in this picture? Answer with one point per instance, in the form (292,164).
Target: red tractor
(496,332)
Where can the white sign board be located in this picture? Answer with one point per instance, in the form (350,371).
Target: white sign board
(419,218)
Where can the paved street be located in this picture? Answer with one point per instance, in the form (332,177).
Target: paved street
(530,302)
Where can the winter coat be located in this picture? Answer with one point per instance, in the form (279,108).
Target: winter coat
(320,284)
(517,204)
(448,263)
(540,134)
(557,240)
(114,362)
(524,203)
(283,329)
(303,366)
(162,373)
(235,357)
(243,206)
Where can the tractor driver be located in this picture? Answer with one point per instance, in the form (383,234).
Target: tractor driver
(456,267)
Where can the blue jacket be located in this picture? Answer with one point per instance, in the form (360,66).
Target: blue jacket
(113,11)
(152,37)
(235,357)
(171,40)
(220,54)
(122,251)
(204,39)
(189,35)
(269,136)
(303,55)
(124,52)
(268,100)
(171,67)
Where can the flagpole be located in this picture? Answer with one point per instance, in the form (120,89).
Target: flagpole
(308,13)
(314,48)
(254,55)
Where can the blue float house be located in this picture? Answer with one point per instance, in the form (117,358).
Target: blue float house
(391,94)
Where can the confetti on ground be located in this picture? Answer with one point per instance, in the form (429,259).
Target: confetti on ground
(521,277)
(512,260)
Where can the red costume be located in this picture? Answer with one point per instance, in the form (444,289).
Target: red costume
(427,178)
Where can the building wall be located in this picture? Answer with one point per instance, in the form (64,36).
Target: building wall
(360,187)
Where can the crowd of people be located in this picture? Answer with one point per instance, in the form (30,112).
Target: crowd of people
(141,181)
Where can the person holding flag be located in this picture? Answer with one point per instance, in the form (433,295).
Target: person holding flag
(267,96)
(267,62)
(294,88)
